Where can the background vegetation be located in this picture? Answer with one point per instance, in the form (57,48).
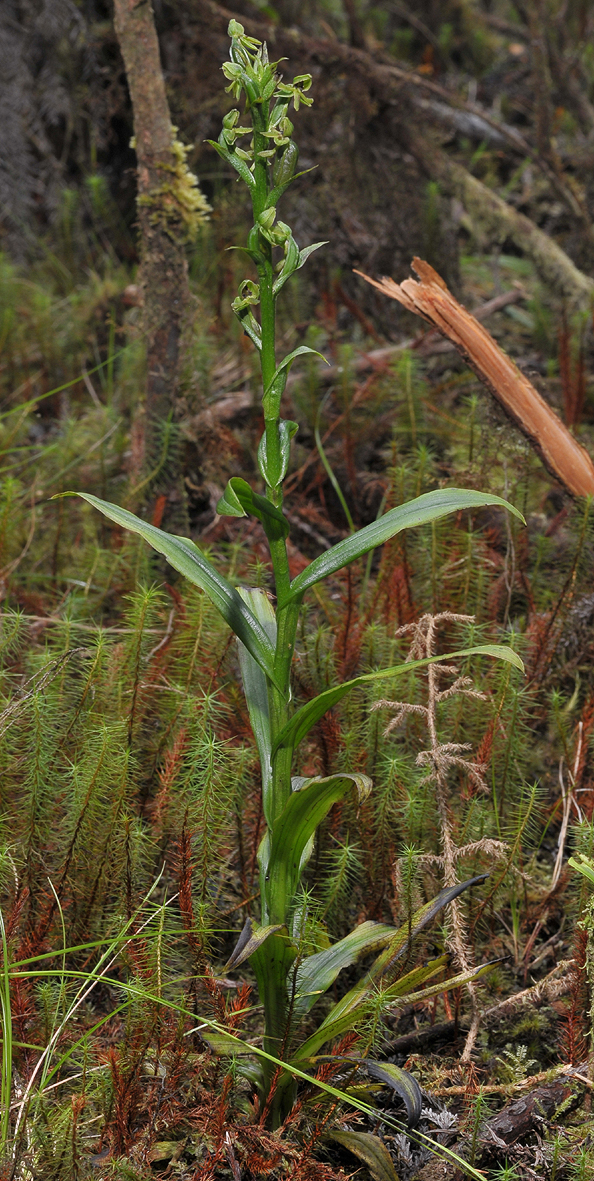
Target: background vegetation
(131,810)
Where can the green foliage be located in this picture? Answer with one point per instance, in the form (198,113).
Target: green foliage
(294,808)
(506,1173)
(515,1064)
(127,751)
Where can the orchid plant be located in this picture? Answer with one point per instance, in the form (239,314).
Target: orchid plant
(289,981)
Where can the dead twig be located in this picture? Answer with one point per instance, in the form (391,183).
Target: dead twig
(525,1084)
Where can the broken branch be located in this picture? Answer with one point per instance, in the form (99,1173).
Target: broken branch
(566,460)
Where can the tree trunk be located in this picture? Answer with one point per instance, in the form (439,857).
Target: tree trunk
(170,207)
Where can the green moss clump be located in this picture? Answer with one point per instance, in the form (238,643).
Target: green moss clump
(178,206)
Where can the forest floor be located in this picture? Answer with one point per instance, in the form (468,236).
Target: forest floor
(130,791)
(129,786)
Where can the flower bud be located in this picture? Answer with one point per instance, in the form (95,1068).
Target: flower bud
(232,70)
(266,219)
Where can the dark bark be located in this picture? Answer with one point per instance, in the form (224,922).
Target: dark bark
(518,1119)
(163,274)
(356,34)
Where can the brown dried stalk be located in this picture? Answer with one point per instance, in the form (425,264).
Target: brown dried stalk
(565,459)
(440,758)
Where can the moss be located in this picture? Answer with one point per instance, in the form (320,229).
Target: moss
(178,206)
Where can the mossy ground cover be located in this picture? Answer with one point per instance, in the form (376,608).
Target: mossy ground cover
(131,811)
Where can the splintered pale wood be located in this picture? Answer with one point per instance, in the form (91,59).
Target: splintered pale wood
(430,298)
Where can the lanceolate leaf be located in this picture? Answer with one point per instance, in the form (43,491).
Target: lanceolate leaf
(421,511)
(286,431)
(307,250)
(415,998)
(344,1016)
(421,918)
(236,161)
(317,972)
(295,826)
(413,980)
(255,688)
(185,556)
(340,1017)
(276,387)
(276,193)
(369,1149)
(310,713)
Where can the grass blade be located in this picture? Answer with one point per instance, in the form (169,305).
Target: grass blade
(5,1011)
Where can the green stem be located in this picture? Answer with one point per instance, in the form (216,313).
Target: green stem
(273,960)
(260,198)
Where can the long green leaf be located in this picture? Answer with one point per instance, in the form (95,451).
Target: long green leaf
(369,1149)
(294,828)
(345,1015)
(401,941)
(421,511)
(255,688)
(7,1044)
(340,1017)
(310,713)
(416,998)
(317,972)
(417,976)
(185,556)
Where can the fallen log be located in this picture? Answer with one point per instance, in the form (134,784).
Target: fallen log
(518,1119)
(496,220)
